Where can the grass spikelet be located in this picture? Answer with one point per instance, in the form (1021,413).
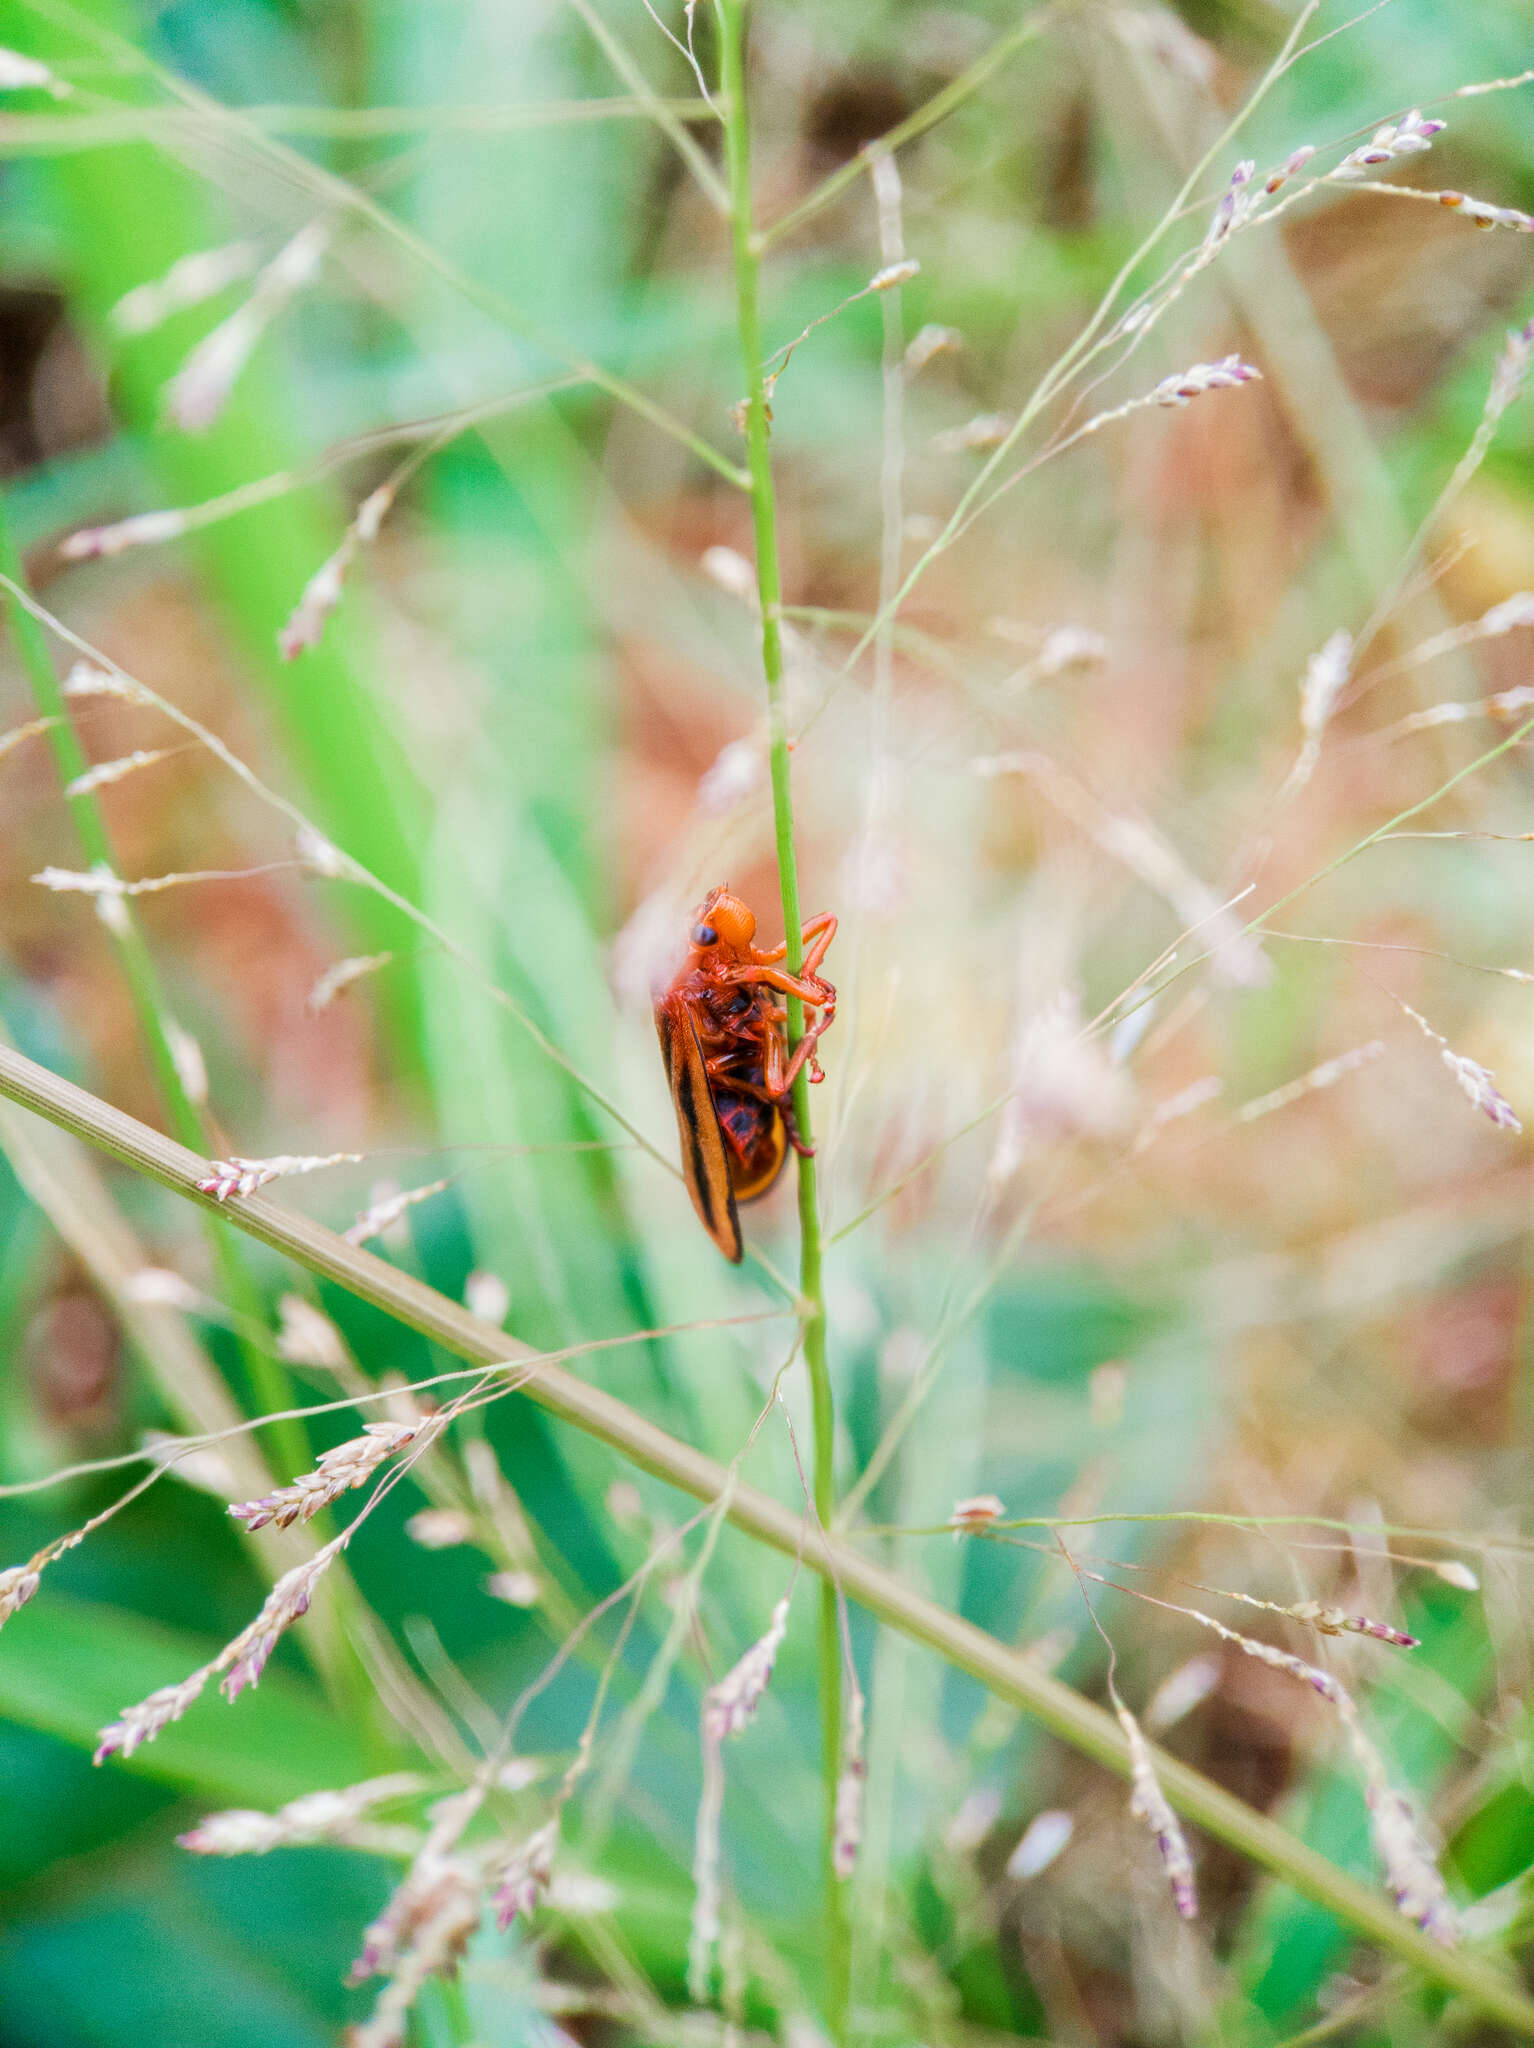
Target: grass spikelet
(976,1513)
(316,1817)
(109,890)
(440,1528)
(421,1934)
(236,1176)
(190,281)
(1149,1803)
(1325,1074)
(20,734)
(1326,674)
(199,391)
(847,1828)
(163,1287)
(1410,1870)
(17,1586)
(1045,1837)
(487,1296)
(1475,90)
(1477,1083)
(1480,1088)
(142,1723)
(1482,213)
(523,1879)
(1410,136)
(985,430)
(241,1661)
(63,881)
(335,980)
(1183,386)
(387,1210)
(189,1062)
(929,342)
(728,1709)
(321,595)
(1186,1102)
(88,679)
(96,543)
(348,1465)
(1181,1691)
(730,1706)
(1504,705)
(20,73)
(703,1927)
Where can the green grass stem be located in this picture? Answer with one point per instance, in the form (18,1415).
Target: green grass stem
(737,133)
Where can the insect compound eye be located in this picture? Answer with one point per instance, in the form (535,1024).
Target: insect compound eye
(704,935)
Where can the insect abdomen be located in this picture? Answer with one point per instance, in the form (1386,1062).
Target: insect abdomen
(756,1140)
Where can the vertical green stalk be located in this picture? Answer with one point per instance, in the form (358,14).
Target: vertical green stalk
(737,138)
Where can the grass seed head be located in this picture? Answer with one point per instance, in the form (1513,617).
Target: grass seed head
(1409,136)
(1148,1803)
(141,1723)
(16,1588)
(348,1465)
(729,1706)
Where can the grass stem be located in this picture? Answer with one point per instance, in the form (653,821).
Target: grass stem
(926,116)
(737,135)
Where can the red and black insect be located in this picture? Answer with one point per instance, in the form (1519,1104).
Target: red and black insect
(724,1034)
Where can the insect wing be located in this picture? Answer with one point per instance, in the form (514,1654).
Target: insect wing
(705,1157)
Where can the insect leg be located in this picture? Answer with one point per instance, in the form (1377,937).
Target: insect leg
(777,1079)
(791,1127)
(808,988)
(805,1049)
(825,926)
(721,1068)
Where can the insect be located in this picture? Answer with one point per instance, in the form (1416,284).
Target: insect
(724,1036)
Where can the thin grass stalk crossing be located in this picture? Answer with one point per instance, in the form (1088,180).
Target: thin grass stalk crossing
(340,197)
(269,1380)
(938,108)
(1003,1671)
(730,15)
(1088,344)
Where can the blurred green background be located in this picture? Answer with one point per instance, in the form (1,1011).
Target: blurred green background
(512,718)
